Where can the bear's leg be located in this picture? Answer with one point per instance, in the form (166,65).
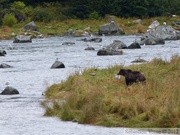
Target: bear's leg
(127,81)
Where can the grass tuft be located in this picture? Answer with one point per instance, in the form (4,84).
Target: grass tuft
(140,28)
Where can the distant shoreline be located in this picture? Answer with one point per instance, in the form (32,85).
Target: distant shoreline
(58,28)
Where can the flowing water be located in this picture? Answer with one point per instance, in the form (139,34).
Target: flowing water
(31,74)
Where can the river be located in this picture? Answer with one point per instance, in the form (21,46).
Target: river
(31,74)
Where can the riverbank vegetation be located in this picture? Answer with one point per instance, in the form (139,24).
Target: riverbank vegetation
(56,17)
(55,28)
(97,97)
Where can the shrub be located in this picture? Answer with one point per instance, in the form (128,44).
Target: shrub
(18,5)
(42,16)
(94,15)
(9,20)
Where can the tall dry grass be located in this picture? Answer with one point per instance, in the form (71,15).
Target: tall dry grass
(104,100)
(4,32)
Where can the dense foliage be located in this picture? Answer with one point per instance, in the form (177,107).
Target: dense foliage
(47,10)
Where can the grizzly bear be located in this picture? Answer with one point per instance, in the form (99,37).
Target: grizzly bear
(132,76)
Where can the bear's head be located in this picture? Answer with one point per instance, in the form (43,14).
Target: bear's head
(124,71)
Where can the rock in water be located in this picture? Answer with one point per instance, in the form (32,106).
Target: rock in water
(9,91)
(2,53)
(134,45)
(3,65)
(22,39)
(102,52)
(58,64)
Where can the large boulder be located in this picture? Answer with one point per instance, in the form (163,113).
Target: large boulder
(22,39)
(153,41)
(109,29)
(117,44)
(58,64)
(165,32)
(114,48)
(154,25)
(157,34)
(134,45)
(102,52)
(2,53)
(30,27)
(9,91)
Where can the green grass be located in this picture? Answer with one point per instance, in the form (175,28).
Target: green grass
(104,100)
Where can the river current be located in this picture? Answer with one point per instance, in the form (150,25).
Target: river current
(31,74)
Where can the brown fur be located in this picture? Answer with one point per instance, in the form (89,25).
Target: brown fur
(132,76)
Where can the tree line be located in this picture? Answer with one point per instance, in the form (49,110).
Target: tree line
(47,10)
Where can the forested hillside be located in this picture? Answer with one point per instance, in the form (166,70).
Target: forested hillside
(48,10)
